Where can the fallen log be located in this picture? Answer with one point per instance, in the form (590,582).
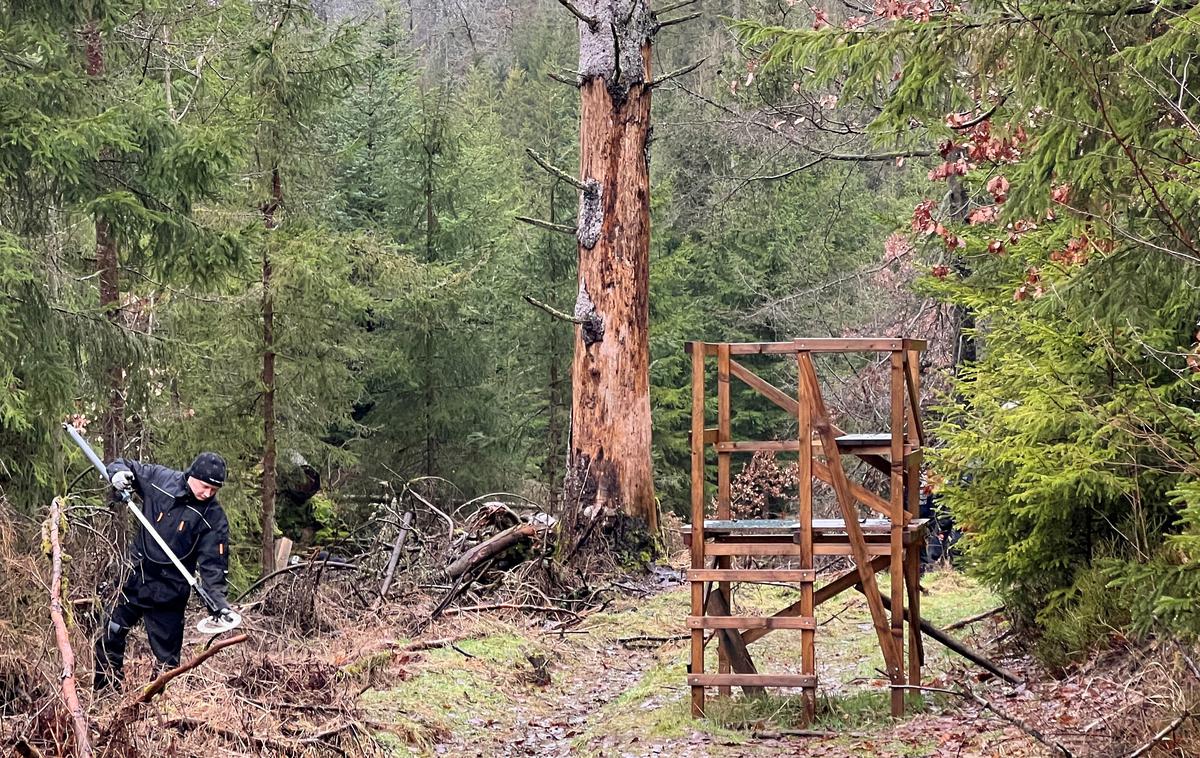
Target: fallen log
(976,657)
(83,745)
(491,547)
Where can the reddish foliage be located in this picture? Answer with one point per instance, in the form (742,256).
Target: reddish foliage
(998,187)
(939,272)
(948,169)
(984,214)
(922,220)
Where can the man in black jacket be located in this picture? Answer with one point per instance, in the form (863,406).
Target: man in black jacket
(183,507)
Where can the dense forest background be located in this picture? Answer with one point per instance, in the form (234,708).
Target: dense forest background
(288,234)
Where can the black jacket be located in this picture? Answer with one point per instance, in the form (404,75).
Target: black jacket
(195,530)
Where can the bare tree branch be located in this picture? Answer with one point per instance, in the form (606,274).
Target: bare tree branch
(561,228)
(679,20)
(554,170)
(966,692)
(589,20)
(673,7)
(1160,736)
(675,74)
(554,311)
(560,78)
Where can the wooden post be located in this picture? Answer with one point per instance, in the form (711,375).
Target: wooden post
(804,480)
(724,434)
(896,492)
(912,556)
(697,666)
(283,551)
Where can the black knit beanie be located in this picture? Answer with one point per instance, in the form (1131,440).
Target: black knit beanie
(208,468)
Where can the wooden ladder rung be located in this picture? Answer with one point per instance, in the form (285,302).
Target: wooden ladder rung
(753,680)
(752,548)
(751,622)
(751,575)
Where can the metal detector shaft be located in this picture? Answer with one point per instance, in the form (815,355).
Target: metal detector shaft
(141,517)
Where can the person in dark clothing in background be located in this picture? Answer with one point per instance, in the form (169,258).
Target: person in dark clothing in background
(183,507)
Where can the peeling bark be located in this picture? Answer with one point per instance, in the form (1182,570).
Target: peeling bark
(610,414)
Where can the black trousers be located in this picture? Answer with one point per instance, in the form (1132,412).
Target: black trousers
(164,629)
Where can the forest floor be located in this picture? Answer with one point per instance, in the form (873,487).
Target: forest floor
(606,697)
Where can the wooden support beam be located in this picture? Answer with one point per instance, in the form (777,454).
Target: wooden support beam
(841,486)
(751,575)
(751,622)
(760,680)
(738,623)
(724,489)
(829,590)
(897,513)
(804,479)
(697,497)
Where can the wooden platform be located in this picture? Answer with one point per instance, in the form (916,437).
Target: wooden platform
(726,552)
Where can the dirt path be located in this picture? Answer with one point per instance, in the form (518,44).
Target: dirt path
(606,697)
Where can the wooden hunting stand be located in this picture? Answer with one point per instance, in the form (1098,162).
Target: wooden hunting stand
(890,542)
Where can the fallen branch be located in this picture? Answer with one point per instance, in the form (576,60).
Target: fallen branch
(1160,736)
(395,557)
(971,654)
(969,694)
(129,709)
(294,567)
(287,746)
(490,547)
(627,641)
(776,734)
(83,746)
(972,619)
(511,606)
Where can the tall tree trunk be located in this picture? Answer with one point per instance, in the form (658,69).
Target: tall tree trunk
(610,463)
(268,382)
(112,423)
(554,398)
(427,347)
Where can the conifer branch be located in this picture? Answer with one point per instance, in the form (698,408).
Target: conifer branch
(679,20)
(547,225)
(589,20)
(554,311)
(673,7)
(554,170)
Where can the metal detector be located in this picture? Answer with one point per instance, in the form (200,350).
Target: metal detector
(219,619)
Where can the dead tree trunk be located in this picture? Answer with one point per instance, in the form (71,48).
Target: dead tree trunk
(610,466)
(83,746)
